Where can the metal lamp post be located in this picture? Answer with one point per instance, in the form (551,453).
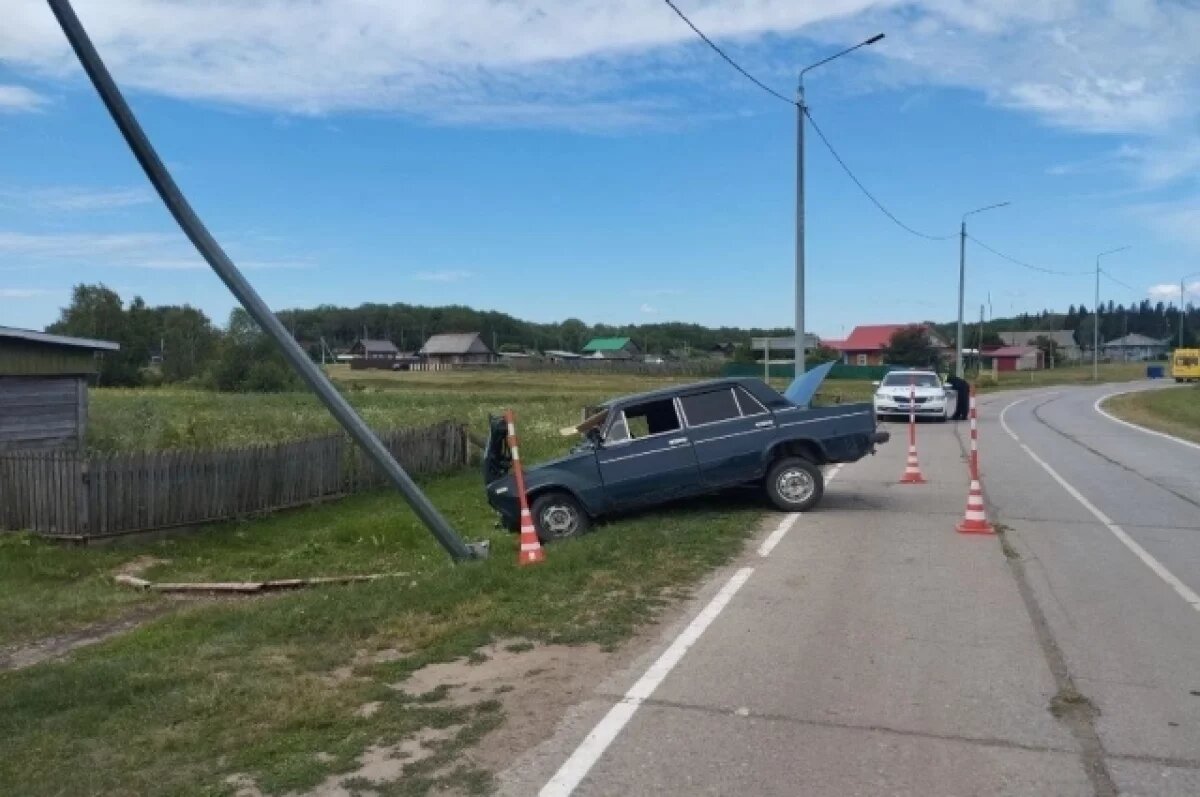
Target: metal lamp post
(962,276)
(801,108)
(1096,316)
(1183,304)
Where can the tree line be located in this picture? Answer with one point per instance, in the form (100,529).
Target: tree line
(181,344)
(1154,320)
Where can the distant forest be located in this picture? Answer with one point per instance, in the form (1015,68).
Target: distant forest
(182,344)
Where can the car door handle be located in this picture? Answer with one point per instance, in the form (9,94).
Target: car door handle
(761,424)
(678,441)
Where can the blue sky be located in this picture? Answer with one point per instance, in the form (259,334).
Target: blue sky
(593,159)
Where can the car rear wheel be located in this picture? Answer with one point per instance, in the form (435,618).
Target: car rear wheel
(558,516)
(795,485)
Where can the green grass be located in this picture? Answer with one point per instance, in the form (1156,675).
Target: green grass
(1175,410)
(47,589)
(210,688)
(1070,375)
(221,687)
(151,419)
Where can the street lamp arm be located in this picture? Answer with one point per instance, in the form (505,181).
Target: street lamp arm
(872,40)
(980,210)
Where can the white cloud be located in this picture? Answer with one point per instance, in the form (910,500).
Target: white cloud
(449,275)
(19,99)
(72,198)
(648,310)
(155,251)
(1167,291)
(1126,65)
(22,293)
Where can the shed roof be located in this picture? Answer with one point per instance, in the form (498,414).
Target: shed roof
(456,343)
(1011,351)
(1134,339)
(607,344)
(1064,338)
(58,340)
(374,346)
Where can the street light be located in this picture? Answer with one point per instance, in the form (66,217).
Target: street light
(800,110)
(1096,316)
(962,272)
(1183,304)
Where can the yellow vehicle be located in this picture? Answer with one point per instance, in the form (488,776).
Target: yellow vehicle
(1185,365)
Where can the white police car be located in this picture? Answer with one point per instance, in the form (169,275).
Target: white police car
(894,396)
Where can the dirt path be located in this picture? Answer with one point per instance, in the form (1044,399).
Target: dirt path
(18,657)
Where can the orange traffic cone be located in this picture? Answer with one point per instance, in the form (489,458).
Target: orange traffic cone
(912,470)
(530,552)
(531,549)
(975,521)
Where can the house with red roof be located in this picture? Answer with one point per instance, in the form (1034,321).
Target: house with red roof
(866,343)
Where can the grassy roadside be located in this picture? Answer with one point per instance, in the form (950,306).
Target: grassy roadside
(275,689)
(219,687)
(1174,410)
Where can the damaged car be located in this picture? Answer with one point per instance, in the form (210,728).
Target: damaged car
(652,448)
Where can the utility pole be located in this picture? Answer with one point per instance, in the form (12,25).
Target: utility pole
(962,282)
(801,111)
(1096,316)
(1183,304)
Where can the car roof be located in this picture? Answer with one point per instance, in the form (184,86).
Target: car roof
(675,390)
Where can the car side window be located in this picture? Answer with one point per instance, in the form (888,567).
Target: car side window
(618,430)
(711,407)
(749,404)
(653,417)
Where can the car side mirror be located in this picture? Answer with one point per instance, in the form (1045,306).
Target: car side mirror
(875,383)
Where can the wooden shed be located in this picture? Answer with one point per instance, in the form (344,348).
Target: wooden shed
(43,388)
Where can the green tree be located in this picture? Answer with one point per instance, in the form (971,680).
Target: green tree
(96,311)
(911,346)
(1049,349)
(247,360)
(189,340)
(991,338)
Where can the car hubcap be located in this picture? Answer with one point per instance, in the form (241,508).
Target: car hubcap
(559,520)
(795,485)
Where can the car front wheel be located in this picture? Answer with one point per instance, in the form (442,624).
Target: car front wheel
(558,516)
(795,485)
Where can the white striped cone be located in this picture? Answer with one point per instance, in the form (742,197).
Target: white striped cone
(531,549)
(912,469)
(975,520)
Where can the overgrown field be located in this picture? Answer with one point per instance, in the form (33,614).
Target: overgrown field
(151,419)
(147,419)
(1175,410)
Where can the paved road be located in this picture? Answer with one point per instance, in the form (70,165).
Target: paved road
(1130,639)
(874,651)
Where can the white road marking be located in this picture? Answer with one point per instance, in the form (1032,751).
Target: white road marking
(589,751)
(788,521)
(1115,419)
(1141,553)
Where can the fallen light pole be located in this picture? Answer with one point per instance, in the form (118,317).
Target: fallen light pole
(211,251)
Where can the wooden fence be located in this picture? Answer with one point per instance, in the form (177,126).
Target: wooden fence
(84,496)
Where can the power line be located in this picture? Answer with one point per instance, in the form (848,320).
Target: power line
(1125,285)
(729,60)
(863,188)
(883,209)
(1023,264)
